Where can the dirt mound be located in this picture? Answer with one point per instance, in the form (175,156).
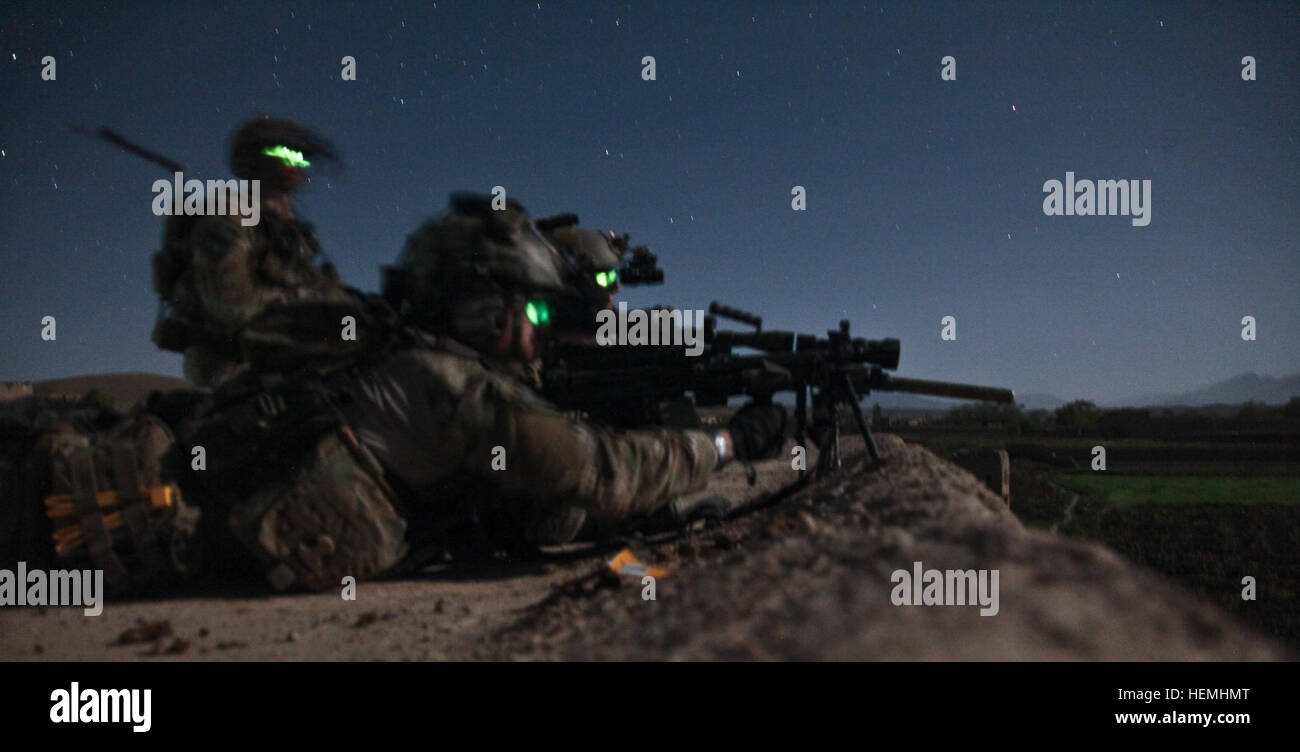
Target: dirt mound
(123,388)
(811,578)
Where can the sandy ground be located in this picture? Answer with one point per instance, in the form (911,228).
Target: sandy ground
(804,573)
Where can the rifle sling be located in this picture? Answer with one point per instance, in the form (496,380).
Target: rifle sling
(93,529)
(127,478)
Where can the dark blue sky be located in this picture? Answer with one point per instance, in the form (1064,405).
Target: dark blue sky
(924,196)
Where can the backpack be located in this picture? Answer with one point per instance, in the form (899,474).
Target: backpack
(83,486)
(177,326)
(283,485)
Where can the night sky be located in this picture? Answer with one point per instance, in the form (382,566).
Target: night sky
(924,196)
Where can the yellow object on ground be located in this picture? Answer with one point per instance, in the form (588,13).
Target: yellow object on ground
(627,564)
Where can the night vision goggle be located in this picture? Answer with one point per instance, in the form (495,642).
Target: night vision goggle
(290,157)
(539,312)
(607,279)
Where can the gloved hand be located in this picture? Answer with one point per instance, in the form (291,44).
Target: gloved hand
(757,431)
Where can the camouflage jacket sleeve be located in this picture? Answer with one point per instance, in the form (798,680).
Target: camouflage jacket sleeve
(463,419)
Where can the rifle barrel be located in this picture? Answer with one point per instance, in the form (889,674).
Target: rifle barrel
(123,142)
(889,383)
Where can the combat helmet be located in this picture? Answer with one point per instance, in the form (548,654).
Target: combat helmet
(600,259)
(459,272)
(263,147)
(596,253)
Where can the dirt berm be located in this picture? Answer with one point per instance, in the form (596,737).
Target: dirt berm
(810,578)
(806,577)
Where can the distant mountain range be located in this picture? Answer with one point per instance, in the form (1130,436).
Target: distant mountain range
(124,388)
(1245,387)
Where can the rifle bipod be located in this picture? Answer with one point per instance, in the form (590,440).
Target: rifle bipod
(830,456)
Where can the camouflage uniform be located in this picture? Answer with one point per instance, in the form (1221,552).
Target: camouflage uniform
(423,426)
(435,418)
(214,274)
(235,273)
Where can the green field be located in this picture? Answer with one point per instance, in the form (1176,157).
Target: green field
(1133,455)
(1241,468)
(1183,489)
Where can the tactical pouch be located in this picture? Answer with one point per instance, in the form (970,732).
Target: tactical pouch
(331,517)
(109,507)
(299,491)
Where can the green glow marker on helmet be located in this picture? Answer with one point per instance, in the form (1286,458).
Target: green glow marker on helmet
(607,279)
(539,313)
(289,156)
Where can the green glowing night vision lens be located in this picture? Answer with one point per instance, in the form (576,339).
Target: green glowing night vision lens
(539,313)
(607,279)
(289,156)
